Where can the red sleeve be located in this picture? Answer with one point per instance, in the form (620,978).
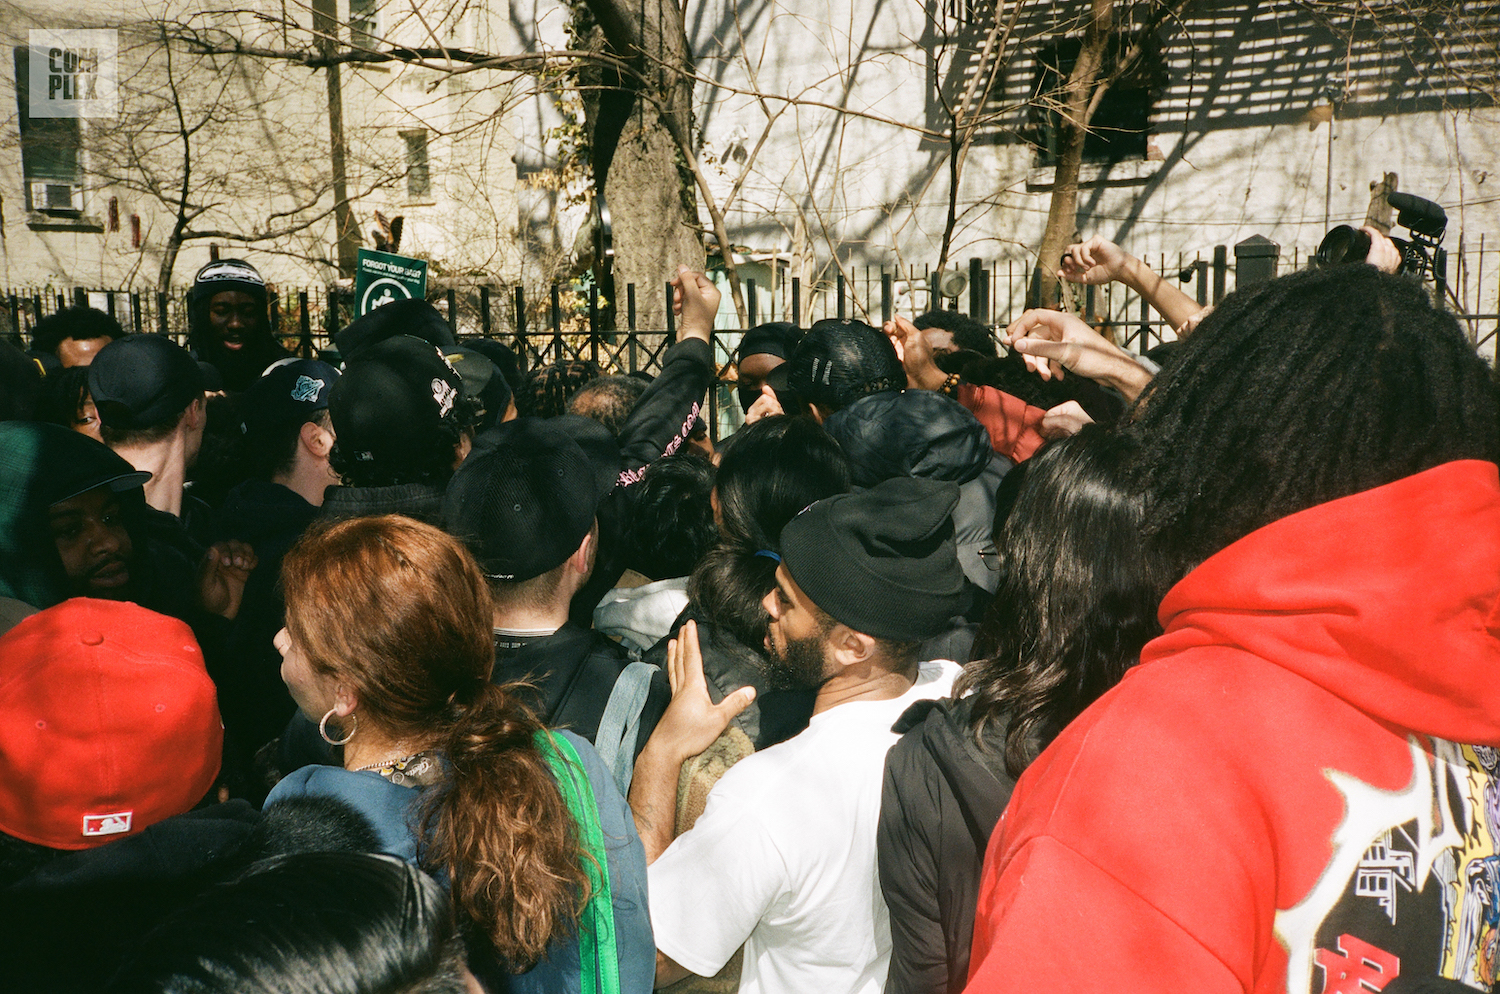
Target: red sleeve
(1013,424)
(1050,920)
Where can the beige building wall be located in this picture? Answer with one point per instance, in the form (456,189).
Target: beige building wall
(258,147)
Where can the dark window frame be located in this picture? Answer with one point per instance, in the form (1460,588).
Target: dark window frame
(418,164)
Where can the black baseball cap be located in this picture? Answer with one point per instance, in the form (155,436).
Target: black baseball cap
(141,381)
(524,501)
(483,383)
(391,399)
(287,394)
(839,361)
(416,318)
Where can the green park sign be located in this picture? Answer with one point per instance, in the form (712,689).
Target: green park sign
(380,278)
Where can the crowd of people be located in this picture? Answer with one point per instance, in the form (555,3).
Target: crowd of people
(413,668)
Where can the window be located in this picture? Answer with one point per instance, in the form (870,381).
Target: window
(49,152)
(418,175)
(364,30)
(1119,126)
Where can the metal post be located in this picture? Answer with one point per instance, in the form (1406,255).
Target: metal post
(885,297)
(630,324)
(1221,266)
(520,326)
(161,311)
(304,325)
(1440,278)
(750,303)
(671,318)
(797,301)
(841,296)
(484,311)
(976,268)
(594,324)
(557,342)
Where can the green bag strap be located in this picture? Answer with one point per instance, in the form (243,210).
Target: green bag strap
(599,961)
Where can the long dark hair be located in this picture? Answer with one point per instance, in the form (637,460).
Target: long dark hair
(770,472)
(1075,602)
(402,611)
(313,923)
(1299,391)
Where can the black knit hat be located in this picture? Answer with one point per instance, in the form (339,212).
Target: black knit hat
(882,561)
(776,338)
(839,361)
(391,399)
(140,381)
(227,274)
(523,501)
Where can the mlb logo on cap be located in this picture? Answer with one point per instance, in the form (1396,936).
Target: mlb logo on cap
(117,823)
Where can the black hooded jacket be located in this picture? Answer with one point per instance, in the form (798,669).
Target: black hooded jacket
(942,797)
(921,433)
(239,367)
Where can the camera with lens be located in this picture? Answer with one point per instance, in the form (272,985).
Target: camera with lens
(1426,221)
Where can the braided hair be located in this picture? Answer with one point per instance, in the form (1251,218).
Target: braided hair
(1299,391)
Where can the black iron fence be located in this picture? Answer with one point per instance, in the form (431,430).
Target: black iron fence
(563,321)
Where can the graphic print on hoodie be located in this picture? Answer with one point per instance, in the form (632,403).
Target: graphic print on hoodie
(1295,790)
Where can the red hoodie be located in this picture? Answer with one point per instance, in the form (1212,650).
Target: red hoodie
(1273,800)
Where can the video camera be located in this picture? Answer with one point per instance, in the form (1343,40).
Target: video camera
(1426,221)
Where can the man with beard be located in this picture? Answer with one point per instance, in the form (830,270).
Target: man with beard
(782,860)
(72,519)
(230,326)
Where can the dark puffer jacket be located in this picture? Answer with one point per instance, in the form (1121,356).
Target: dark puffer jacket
(942,797)
(921,433)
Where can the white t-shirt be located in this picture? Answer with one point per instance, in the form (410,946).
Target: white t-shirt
(782,859)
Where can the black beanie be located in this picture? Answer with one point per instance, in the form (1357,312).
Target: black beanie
(882,561)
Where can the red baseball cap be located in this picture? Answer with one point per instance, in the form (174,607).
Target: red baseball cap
(111,723)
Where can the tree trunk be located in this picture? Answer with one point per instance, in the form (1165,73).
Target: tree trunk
(649,202)
(1078,101)
(634,127)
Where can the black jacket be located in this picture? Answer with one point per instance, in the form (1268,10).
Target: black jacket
(658,426)
(253,700)
(728,664)
(942,797)
(571,674)
(72,919)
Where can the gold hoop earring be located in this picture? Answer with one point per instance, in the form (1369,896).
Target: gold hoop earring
(323,728)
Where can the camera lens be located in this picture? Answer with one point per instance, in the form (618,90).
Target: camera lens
(1342,245)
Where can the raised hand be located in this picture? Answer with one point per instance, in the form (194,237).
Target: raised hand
(1096,261)
(695,299)
(222,575)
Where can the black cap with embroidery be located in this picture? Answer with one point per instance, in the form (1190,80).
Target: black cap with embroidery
(227,274)
(288,394)
(391,398)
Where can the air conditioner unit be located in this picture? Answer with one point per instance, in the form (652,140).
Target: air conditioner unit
(56,196)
